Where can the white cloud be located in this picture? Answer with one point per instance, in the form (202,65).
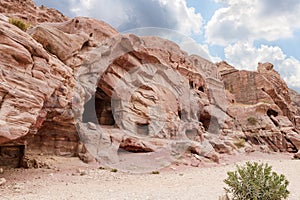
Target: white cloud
(185,42)
(170,19)
(241,22)
(133,15)
(253,20)
(130,14)
(243,55)
(192,47)
(109,11)
(290,71)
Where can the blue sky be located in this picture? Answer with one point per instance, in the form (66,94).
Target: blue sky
(242,32)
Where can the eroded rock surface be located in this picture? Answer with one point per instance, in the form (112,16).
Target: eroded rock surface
(81,80)
(29,12)
(29,77)
(261,106)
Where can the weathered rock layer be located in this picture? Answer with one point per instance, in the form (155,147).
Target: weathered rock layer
(29,12)
(81,80)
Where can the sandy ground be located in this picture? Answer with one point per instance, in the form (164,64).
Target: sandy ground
(72,179)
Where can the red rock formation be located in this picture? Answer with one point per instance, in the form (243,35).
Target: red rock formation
(119,92)
(29,12)
(262,107)
(144,57)
(29,76)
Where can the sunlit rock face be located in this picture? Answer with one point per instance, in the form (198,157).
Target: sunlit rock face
(263,106)
(26,10)
(78,86)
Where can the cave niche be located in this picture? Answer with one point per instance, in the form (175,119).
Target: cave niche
(271,112)
(11,155)
(98,109)
(205,118)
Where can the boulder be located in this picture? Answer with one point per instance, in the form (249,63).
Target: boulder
(297,155)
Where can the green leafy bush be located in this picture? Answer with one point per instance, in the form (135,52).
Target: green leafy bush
(256,181)
(19,23)
(252,120)
(155,172)
(114,170)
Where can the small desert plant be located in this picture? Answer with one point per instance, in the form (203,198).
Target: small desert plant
(155,172)
(252,120)
(114,170)
(19,23)
(256,181)
(102,168)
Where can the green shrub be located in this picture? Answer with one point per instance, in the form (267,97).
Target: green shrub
(114,170)
(256,181)
(102,168)
(19,23)
(252,120)
(155,172)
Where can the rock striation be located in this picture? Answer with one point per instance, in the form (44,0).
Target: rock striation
(26,10)
(269,117)
(29,76)
(77,87)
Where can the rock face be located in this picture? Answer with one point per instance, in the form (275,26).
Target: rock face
(268,117)
(81,80)
(71,42)
(29,76)
(133,84)
(29,12)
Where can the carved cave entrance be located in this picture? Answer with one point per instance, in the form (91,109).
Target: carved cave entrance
(98,109)
(11,156)
(271,112)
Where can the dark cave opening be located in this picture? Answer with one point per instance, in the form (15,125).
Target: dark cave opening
(205,118)
(98,109)
(271,112)
(210,122)
(85,45)
(142,128)
(11,156)
(191,84)
(201,89)
(179,114)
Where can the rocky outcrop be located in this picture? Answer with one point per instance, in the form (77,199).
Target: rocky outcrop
(295,98)
(120,95)
(135,84)
(26,10)
(261,106)
(155,104)
(71,42)
(29,77)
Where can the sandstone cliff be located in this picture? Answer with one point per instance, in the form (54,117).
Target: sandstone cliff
(29,12)
(80,80)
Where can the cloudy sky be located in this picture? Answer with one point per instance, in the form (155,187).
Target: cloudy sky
(242,32)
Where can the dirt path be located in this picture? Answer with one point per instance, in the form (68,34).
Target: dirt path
(72,179)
